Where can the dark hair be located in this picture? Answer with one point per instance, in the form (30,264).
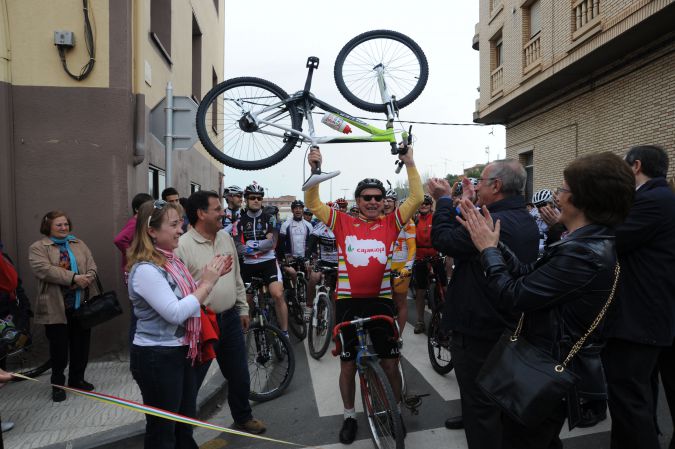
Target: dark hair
(653,159)
(168,191)
(46,223)
(139,199)
(199,201)
(602,186)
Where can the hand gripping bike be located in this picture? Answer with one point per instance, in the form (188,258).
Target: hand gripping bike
(250,123)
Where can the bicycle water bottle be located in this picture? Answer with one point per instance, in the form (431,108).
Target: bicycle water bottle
(336,123)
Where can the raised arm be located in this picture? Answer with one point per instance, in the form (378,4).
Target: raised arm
(408,209)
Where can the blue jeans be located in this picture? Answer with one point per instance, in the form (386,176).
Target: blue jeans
(232,360)
(168,381)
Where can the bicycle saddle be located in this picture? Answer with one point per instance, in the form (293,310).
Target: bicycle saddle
(317,178)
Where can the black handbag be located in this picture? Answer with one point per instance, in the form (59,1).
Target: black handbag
(97,309)
(526,382)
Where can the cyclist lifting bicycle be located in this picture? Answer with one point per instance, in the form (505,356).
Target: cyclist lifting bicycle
(364,287)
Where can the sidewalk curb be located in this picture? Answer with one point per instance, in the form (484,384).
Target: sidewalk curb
(209,395)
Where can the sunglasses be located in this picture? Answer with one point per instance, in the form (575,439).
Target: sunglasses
(157,204)
(377,198)
(254,198)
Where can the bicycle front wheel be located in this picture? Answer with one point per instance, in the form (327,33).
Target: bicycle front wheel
(229,136)
(380,407)
(320,326)
(403,63)
(296,313)
(438,344)
(271,362)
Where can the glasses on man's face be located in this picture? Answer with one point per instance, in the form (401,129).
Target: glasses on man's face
(377,198)
(386,200)
(254,198)
(426,204)
(559,190)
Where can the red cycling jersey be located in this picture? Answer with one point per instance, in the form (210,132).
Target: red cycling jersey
(423,236)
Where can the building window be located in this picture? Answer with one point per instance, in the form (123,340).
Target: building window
(156,181)
(535,18)
(496,63)
(196,61)
(495,6)
(214,108)
(194,187)
(160,26)
(527,159)
(585,12)
(216,3)
(531,34)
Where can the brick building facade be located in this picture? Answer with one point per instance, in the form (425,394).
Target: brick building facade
(572,77)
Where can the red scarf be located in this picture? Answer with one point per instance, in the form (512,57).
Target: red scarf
(179,272)
(9,279)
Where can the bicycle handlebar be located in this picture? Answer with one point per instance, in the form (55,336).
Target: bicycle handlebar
(338,328)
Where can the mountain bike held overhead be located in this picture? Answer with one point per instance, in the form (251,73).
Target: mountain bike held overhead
(250,123)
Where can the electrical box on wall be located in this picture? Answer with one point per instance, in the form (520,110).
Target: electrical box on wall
(64,38)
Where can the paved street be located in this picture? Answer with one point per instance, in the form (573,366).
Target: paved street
(310,411)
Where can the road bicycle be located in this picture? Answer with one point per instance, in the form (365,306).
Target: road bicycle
(322,317)
(296,297)
(250,123)
(379,403)
(435,291)
(271,361)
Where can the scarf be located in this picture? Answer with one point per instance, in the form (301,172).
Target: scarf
(179,272)
(63,243)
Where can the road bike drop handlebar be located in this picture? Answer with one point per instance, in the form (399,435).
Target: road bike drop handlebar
(337,335)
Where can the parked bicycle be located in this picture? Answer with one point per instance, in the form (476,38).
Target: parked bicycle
(250,123)
(296,297)
(322,318)
(438,341)
(271,361)
(379,404)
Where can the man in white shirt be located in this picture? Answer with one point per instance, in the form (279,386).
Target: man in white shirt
(227,299)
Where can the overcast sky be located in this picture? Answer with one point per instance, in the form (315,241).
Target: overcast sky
(272,40)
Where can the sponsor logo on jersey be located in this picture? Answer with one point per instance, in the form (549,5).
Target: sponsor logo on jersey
(360,252)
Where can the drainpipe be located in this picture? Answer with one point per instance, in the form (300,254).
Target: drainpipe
(138,68)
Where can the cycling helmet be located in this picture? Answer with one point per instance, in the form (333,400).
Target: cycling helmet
(427,199)
(254,188)
(542,197)
(329,204)
(369,183)
(233,190)
(341,202)
(336,206)
(391,193)
(270,210)
(307,212)
(297,203)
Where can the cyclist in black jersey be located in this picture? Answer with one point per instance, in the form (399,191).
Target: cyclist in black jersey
(255,237)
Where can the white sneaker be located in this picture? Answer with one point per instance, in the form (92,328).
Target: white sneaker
(7,426)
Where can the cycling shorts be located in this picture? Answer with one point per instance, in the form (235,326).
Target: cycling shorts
(380,332)
(399,285)
(267,270)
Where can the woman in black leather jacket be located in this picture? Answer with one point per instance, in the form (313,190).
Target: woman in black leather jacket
(564,291)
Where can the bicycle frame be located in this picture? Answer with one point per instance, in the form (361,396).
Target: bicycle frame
(362,350)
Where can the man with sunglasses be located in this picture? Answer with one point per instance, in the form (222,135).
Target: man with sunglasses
(256,239)
(365,245)
(469,309)
(233,197)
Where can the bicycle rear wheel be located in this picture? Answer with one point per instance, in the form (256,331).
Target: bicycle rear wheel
(438,344)
(271,362)
(22,362)
(380,407)
(320,325)
(406,69)
(227,135)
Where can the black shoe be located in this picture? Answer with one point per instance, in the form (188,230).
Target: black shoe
(82,385)
(589,418)
(58,395)
(348,431)
(454,422)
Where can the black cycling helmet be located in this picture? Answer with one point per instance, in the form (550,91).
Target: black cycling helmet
(369,183)
(297,203)
(427,199)
(307,212)
(255,189)
(270,210)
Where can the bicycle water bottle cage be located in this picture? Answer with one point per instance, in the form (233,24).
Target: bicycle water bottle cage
(312,62)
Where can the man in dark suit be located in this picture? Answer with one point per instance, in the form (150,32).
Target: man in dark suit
(469,309)
(642,321)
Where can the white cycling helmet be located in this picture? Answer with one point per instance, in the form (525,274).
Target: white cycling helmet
(541,197)
(233,190)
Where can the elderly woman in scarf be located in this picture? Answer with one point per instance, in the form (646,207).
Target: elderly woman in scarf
(64,269)
(170,336)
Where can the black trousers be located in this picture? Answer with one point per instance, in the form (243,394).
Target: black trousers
(544,436)
(629,368)
(482,418)
(667,370)
(68,341)
(168,381)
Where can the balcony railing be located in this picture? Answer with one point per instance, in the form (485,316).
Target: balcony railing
(584,12)
(496,80)
(532,51)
